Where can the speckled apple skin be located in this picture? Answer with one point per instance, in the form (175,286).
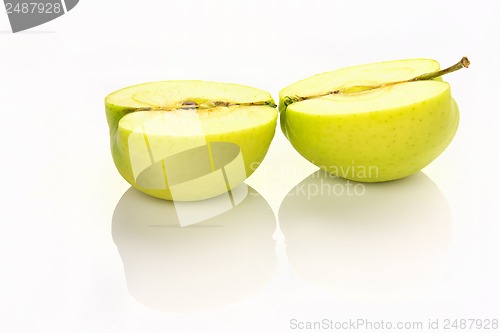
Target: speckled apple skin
(375,146)
(254,144)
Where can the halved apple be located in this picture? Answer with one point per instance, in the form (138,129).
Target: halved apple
(374,122)
(189,140)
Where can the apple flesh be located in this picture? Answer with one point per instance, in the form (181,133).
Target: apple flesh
(355,126)
(189,140)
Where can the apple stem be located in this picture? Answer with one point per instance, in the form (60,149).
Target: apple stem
(464,62)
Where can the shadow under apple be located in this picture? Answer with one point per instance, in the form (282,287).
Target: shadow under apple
(220,260)
(377,242)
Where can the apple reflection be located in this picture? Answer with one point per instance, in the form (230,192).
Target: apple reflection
(383,241)
(222,259)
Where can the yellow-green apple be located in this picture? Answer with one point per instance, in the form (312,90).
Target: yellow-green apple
(373,122)
(189,140)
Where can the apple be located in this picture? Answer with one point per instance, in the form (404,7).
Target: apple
(189,140)
(223,258)
(372,123)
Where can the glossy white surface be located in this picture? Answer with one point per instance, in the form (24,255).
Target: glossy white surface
(81,252)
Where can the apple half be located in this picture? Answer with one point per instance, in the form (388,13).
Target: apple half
(374,122)
(189,140)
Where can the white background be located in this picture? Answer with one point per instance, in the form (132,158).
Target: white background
(424,248)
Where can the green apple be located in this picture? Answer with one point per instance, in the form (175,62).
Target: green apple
(189,140)
(374,122)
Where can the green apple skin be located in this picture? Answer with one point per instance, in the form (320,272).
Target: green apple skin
(376,146)
(254,143)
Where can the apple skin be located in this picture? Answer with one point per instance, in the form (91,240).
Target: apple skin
(375,146)
(253,142)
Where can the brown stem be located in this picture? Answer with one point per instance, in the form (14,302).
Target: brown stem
(464,62)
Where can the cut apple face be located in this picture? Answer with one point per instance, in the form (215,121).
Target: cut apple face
(189,140)
(374,122)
